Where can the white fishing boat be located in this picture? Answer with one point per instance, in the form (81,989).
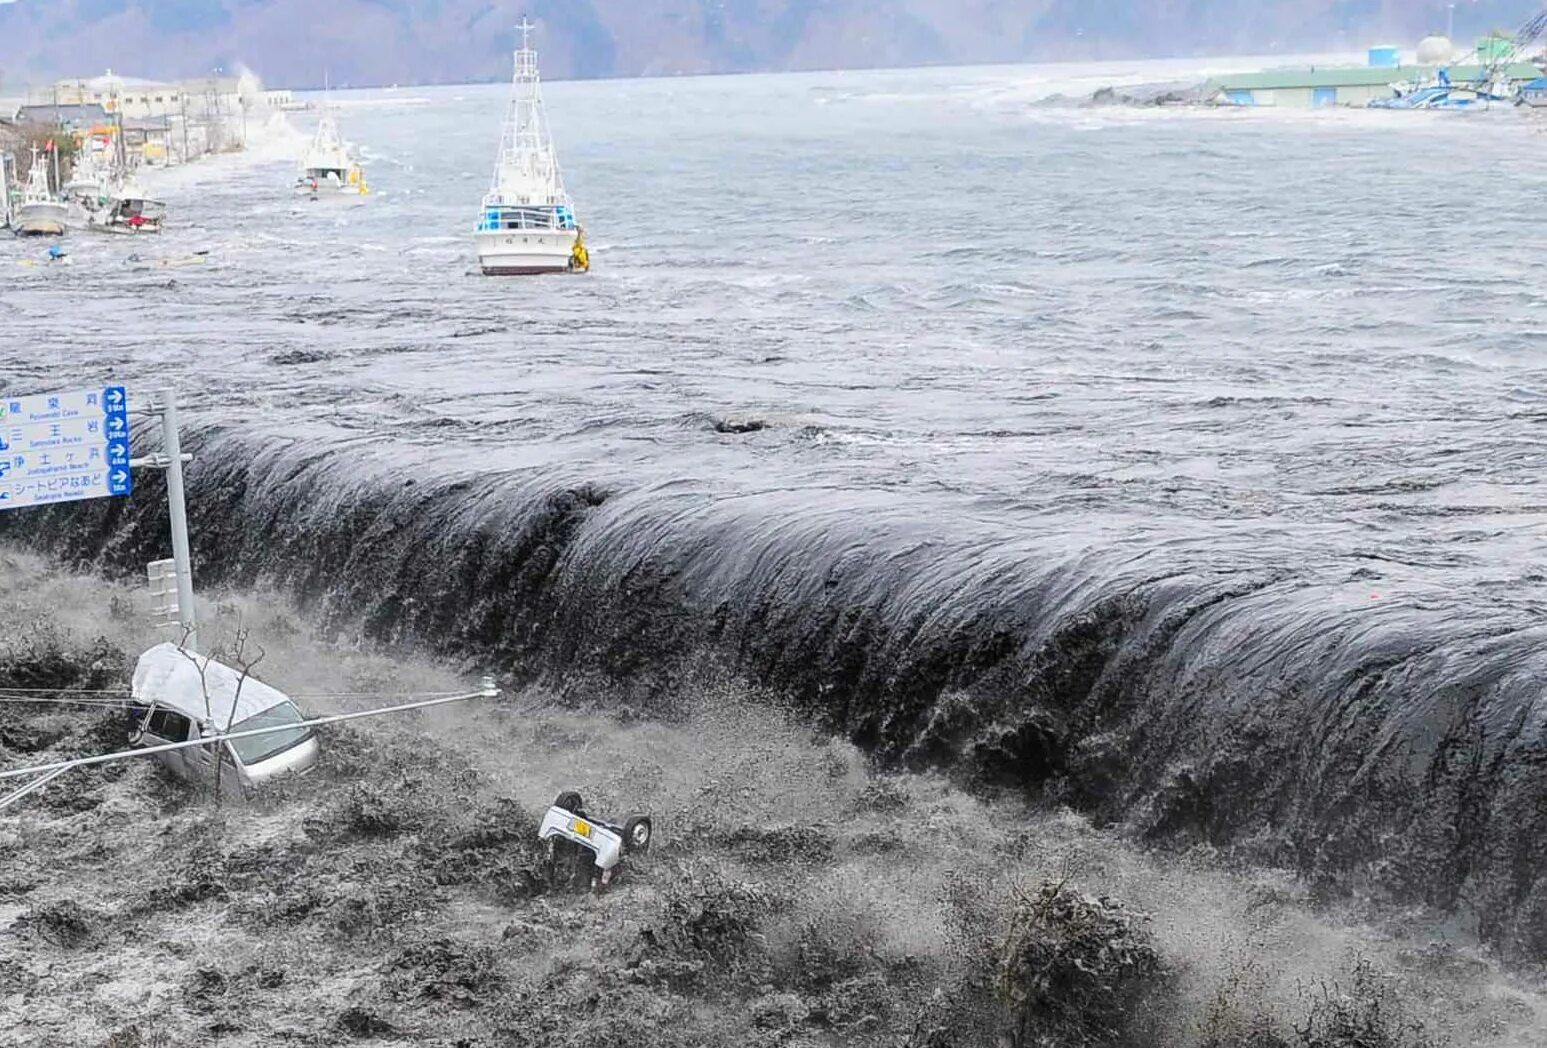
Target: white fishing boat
(327,168)
(128,210)
(40,212)
(528,222)
(88,184)
(7,191)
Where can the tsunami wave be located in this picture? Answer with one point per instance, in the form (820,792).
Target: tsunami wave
(1147,470)
(1371,741)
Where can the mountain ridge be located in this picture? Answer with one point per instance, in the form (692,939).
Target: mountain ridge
(373,42)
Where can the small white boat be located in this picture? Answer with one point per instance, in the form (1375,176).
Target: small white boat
(528,222)
(88,184)
(327,168)
(128,211)
(40,212)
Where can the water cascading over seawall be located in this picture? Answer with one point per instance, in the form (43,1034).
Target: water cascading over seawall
(1374,738)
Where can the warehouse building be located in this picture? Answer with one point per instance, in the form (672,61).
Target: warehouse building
(1341,86)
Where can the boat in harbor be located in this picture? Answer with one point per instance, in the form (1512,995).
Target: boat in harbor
(40,212)
(1442,96)
(8,191)
(1534,94)
(128,210)
(88,184)
(327,168)
(528,222)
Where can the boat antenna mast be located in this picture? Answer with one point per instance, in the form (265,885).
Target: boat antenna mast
(526,157)
(1497,63)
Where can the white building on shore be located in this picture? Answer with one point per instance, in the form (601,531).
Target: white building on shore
(148,99)
(189,117)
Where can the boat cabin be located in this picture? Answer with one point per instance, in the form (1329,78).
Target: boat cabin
(550,216)
(349,177)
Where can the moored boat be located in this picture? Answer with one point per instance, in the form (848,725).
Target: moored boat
(40,212)
(528,223)
(88,184)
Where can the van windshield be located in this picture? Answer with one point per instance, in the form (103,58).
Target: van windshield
(261,747)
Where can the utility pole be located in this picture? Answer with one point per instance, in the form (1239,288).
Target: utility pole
(174,603)
(171,460)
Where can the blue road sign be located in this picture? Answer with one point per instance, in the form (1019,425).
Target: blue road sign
(62,447)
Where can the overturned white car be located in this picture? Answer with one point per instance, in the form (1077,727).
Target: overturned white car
(572,834)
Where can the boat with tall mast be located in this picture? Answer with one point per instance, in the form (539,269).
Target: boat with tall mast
(123,206)
(127,209)
(40,212)
(89,180)
(327,167)
(528,222)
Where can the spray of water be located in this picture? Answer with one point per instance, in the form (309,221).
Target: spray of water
(730,776)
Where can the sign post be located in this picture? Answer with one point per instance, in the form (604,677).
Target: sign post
(182,559)
(65,447)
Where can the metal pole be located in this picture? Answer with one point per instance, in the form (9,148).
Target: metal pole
(178,510)
(12,798)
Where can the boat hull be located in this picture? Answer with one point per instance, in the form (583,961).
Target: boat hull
(41,220)
(124,229)
(329,193)
(526,252)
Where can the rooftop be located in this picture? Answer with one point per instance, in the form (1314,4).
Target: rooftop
(52,116)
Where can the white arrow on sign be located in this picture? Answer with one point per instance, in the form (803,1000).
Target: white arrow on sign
(46,491)
(61,447)
(41,436)
(58,407)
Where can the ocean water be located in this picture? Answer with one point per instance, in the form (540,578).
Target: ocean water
(1303,330)
(1164,456)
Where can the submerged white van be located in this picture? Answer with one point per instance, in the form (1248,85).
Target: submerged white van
(180,696)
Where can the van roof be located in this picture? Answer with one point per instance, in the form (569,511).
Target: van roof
(170,677)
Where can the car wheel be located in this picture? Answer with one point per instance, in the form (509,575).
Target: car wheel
(637,832)
(569,800)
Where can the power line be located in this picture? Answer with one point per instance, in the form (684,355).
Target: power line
(488,692)
(318,695)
